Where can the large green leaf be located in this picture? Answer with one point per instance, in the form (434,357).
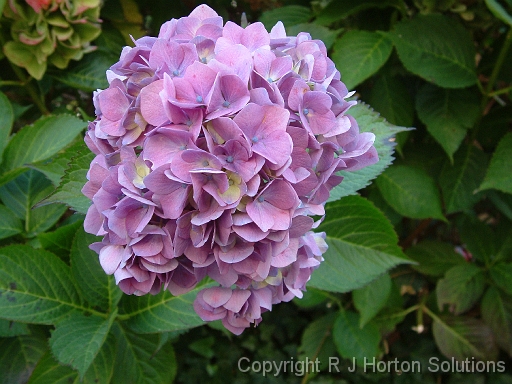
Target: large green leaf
(498,174)
(496,309)
(96,286)
(340,9)
(411,192)
(362,246)
(6,120)
(36,286)
(478,238)
(462,337)
(12,328)
(289,15)
(18,357)
(40,141)
(437,48)
(77,339)
(161,313)
(10,224)
(460,288)
(69,190)
(140,359)
(353,341)
(460,180)
(434,257)
(22,193)
(368,121)
(390,97)
(370,299)
(359,54)
(447,113)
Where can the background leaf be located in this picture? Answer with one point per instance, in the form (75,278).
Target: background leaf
(436,48)
(497,314)
(360,54)
(411,192)
(10,224)
(447,113)
(6,118)
(289,15)
(434,257)
(461,288)
(463,337)
(459,181)
(353,341)
(362,246)
(498,173)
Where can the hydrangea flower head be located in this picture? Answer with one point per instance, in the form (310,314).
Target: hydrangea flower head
(215,145)
(50,32)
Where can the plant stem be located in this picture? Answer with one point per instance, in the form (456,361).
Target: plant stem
(5,83)
(29,86)
(499,62)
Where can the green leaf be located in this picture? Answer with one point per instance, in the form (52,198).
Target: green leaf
(436,48)
(353,341)
(368,121)
(501,274)
(318,32)
(390,97)
(498,173)
(447,113)
(370,299)
(69,190)
(316,341)
(22,193)
(460,288)
(140,359)
(434,257)
(6,120)
(36,286)
(340,9)
(478,238)
(55,167)
(11,328)
(78,338)
(460,180)
(10,225)
(161,313)
(39,141)
(462,337)
(89,74)
(95,285)
(18,357)
(499,11)
(362,246)
(289,15)
(359,54)
(496,309)
(59,241)
(49,371)
(411,192)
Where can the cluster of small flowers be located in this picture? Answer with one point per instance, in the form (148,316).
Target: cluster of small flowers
(215,145)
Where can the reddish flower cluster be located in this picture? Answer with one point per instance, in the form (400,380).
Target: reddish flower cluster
(215,145)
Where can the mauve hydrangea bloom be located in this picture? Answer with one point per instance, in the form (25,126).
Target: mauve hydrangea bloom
(215,145)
